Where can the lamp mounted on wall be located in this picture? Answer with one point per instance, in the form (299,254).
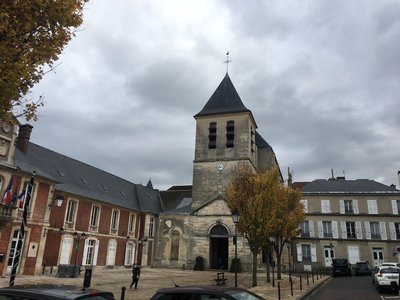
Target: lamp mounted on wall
(58,201)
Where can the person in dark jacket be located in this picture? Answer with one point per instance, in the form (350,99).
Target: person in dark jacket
(135,275)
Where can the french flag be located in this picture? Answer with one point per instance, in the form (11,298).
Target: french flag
(8,194)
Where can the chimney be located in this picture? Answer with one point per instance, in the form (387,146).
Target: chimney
(24,134)
(398,176)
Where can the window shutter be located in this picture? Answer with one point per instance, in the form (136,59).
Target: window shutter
(341,206)
(343,229)
(299,254)
(392,231)
(355,207)
(372,207)
(382,227)
(367,230)
(66,249)
(96,251)
(313,253)
(394,207)
(305,204)
(311,227)
(85,252)
(320,229)
(335,230)
(358,230)
(325,207)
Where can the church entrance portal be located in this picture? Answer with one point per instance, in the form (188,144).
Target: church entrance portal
(219,247)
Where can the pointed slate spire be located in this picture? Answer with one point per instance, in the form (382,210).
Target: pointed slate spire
(224,100)
(149,184)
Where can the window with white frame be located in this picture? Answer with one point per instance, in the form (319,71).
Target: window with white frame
(305,229)
(114,221)
(71,211)
(351,230)
(397,205)
(348,207)
(375,230)
(90,252)
(94,218)
(131,224)
(306,252)
(325,206)
(327,229)
(397,230)
(151,226)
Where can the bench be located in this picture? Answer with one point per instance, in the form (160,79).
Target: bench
(220,280)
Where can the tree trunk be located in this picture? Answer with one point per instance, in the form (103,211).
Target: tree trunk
(267,265)
(279,265)
(254,268)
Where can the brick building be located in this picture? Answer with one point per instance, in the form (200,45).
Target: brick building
(104,220)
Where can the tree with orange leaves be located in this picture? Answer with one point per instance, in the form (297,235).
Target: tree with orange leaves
(267,208)
(32,35)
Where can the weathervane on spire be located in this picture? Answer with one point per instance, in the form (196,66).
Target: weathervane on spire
(227,61)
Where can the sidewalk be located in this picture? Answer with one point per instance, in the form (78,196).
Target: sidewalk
(152,279)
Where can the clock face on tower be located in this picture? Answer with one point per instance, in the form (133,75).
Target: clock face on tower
(220,167)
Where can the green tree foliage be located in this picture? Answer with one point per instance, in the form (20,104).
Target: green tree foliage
(32,35)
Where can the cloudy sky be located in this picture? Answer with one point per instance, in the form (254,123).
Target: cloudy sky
(322,79)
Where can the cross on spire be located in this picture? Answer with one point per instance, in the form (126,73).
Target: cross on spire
(227,61)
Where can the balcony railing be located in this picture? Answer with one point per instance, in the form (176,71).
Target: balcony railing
(7,214)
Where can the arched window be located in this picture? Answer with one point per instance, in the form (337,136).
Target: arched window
(175,245)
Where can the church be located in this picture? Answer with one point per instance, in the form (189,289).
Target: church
(199,224)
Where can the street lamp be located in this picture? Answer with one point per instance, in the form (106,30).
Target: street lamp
(235,220)
(272,242)
(331,246)
(78,239)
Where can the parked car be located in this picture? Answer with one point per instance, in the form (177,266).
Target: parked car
(362,268)
(392,264)
(386,277)
(341,266)
(52,292)
(204,292)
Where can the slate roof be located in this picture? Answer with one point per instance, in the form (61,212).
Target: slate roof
(173,197)
(224,100)
(341,186)
(75,177)
(260,142)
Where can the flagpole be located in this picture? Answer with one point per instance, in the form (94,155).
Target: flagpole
(21,235)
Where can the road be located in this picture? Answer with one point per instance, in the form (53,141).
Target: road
(350,288)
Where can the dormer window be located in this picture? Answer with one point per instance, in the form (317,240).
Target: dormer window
(230,134)
(212,135)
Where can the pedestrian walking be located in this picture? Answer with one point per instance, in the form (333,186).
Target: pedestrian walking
(135,275)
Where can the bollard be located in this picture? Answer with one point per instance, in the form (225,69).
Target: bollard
(317,274)
(51,269)
(279,290)
(123,289)
(301,284)
(308,282)
(312,276)
(291,287)
(44,266)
